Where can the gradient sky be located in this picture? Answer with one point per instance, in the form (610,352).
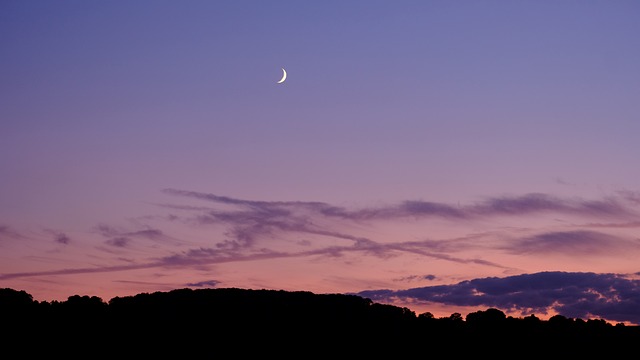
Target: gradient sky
(447,156)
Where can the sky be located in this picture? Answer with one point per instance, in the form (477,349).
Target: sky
(445,156)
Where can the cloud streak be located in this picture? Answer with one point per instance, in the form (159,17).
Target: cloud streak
(8,233)
(505,205)
(580,242)
(122,238)
(226,254)
(250,221)
(112,232)
(206,283)
(62,238)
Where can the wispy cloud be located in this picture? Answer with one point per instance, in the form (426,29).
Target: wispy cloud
(619,225)
(505,205)
(59,237)
(118,241)
(580,242)
(414,278)
(537,203)
(148,233)
(631,196)
(83,270)
(62,238)
(573,294)
(224,254)
(117,237)
(206,283)
(9,233)
(202,256)
(250,220)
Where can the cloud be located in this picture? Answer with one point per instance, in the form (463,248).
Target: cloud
(59,237)
(579,242)
(427,208)
(118,242)
(258,205)
(413,278)
(631,196)
(229,252)
(562,181)
(152,234)
(89,270)
(537,203)
(122,238)
(62,238)
(621,225)
(148,233)
(249,221)
(201,256)
(206,283)
(8,232)
(572,294)
(408,208)
(494,206)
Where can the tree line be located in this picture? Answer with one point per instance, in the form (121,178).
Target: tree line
(204,321)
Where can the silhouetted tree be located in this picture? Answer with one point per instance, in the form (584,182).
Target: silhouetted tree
(206,320)
(426,315)
(489,317)
(13,299)
(456,317)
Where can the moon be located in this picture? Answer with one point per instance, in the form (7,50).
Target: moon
(284,76)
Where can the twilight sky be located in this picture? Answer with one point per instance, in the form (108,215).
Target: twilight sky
(447,156)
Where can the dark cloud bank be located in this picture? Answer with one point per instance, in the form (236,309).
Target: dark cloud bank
(613,297)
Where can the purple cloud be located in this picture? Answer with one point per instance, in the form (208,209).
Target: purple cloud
(230,253)
(631,196)
(536,203)
(206,283)
(149,233)
(622,225)
(572,294)
(497,206)
(219,254)
(413,278)
(62,238)
(118,242)
(254,220)
(571,242)
(7,232)
(122,238)
(426,208)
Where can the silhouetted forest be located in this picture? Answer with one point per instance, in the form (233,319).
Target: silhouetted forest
(260,322)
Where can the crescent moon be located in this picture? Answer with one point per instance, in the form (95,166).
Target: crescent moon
(284,76)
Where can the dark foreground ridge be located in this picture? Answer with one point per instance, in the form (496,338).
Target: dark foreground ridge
(261,322)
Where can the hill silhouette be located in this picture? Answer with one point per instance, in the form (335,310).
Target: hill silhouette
(206,322)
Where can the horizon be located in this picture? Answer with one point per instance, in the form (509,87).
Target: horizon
(428,314)
(444,157)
